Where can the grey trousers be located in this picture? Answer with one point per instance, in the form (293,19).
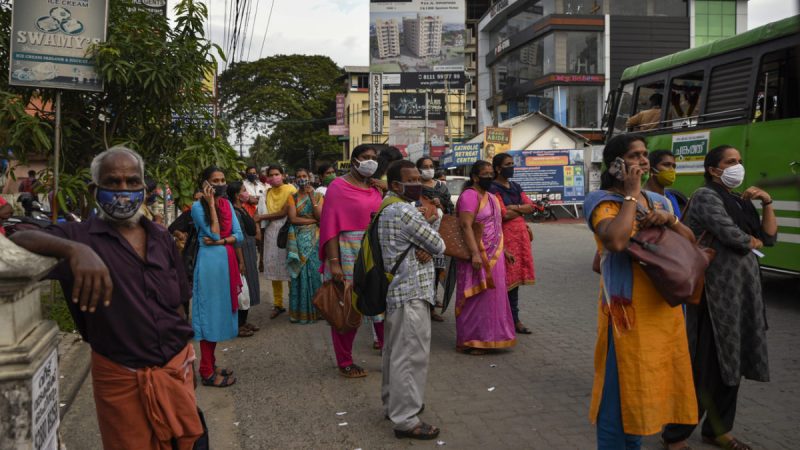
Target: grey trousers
(406,348)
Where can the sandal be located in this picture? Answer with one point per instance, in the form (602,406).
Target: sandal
(227,380)
(225,372)
(423,431)
(352,371)
(436,317)
(277,312)
(726,443)
(252,327)
(522,329)
(472,351)
(245,332)
(666,445)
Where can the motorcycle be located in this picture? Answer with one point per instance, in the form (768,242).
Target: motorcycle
(542,210)
(35,217)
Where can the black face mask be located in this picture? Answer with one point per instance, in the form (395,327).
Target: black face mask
(252,177)
(485,183)
(507,172)
(221,190)
(411,191)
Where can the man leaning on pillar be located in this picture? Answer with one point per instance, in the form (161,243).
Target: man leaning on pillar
(126,286)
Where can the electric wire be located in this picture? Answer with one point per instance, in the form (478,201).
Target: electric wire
(266,30)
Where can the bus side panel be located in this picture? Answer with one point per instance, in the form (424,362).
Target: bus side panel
(771,150)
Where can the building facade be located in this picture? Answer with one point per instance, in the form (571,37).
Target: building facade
(423,35)
(562,57)
(387,33)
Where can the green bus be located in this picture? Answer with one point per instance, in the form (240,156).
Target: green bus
(742,91)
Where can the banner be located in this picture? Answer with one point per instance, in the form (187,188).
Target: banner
(408,135)
(560,174)
(424,80)
(339,109)
(152,6)
(496,140)
(461,155)
(375,103)
(50,43)
(412,106)
(423,36)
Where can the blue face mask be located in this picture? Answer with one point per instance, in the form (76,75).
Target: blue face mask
(119,205)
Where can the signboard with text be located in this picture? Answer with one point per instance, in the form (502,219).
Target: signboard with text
(51,40)
(417,36)
(690,150)
(340,109)
(496,140)
(461,155)
(424,80)
(338,130)
(375,103)
(152,6)
(405,106)
(560,174)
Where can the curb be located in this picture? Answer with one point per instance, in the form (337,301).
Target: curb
(74,359)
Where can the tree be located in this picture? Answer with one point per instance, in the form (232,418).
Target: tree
(154,99)
(290,99)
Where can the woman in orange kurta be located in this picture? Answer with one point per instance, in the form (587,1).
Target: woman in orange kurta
(643,375)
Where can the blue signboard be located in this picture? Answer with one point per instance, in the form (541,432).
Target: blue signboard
(560,174)
(461,155)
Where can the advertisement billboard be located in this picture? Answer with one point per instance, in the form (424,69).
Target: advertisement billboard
(496,140)
(50,41)
(410,134)
(560,174)
(412,106)
(417,36)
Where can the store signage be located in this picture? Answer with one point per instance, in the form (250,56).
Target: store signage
(338,130)
(559,174)
(376,103)
(44,404)
(339,109)
(690,150)
(499,6)
(51,41)
(461,155)
(504,44)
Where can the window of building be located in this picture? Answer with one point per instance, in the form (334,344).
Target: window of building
(674,8)
(684,99)
(572,106)
(584,52)
(778,86)
(524,64)
(629,7)
(583,7)
(476,9)
(524,18)
(360,81)
(623,112)
(714,19)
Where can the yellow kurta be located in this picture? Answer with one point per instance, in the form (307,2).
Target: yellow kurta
(654,366)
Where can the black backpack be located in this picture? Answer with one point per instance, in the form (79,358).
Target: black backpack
(370,279)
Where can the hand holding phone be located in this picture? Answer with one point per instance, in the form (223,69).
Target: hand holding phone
(618,169)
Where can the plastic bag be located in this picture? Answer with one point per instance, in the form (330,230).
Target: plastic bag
(244,295)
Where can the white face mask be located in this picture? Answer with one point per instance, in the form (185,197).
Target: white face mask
(733,176)
(426,174)
(367,167)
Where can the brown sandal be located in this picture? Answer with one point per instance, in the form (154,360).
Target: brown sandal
(277,312)
(352,371)
(726,443)
(251,327)
(245,332)
(227,380)
(423,431)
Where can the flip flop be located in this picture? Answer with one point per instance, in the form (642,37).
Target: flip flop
(423,431)
(352,371)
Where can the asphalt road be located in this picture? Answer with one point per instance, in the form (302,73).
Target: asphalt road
(288,394)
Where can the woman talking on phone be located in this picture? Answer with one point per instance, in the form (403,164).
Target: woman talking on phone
(643,374)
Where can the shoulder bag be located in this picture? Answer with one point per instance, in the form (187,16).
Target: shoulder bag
(453,237)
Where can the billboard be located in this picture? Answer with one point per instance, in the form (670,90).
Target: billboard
(408,135)
(424,80)
(412,106)
(557,173)
(417,36)
(461,155)
(50,43)
(496,140)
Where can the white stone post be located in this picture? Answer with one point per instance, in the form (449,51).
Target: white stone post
(29,411)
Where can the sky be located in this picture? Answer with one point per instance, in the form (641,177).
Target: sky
(339,28)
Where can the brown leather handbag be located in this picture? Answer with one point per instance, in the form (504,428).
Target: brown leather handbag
(675,265)
(453,237)
(333,300)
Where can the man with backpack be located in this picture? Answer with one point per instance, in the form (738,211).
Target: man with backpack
(403,231)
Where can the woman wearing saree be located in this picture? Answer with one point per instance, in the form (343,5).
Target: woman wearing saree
(305,208)
(349,204)
(483,315)
(643,374)
(215,294)
(275,258)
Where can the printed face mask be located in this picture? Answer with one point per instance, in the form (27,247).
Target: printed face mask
(367,167)
(666,177)
(411,191)
(733,176)
(302,182)
(119,205)
(426,174)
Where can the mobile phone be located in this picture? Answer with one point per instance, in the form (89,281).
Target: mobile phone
(617,168)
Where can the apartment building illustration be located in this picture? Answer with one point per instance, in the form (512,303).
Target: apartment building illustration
(388,36)
(423,35)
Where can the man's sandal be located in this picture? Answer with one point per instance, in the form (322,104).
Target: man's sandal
(726,443)
(211,381)
(423,431)
(352,371)
(251,327)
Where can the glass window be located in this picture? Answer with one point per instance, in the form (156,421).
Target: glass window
(714,25)
(729,7)
(675,8)
(778,87)
(583,106)
(629,7)
(715,6)
(728,25)
(649,99)
(701,6)
(684,99)
(524,18)
(584,52)
(624,109)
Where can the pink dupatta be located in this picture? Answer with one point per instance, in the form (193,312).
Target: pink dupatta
(225,230)
(489,212)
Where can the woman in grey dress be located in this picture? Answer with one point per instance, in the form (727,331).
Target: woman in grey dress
(727,330)
(247,253)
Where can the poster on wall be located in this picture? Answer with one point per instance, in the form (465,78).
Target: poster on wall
(560,174)
(50,43)
(418,36)
(496,140)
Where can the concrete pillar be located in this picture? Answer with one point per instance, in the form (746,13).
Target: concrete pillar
(29,411)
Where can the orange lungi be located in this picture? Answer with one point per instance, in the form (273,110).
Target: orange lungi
(146,408)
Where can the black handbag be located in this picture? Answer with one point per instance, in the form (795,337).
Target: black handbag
(283,234)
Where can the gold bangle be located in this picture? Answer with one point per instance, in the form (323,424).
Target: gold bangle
(677,220)
(333,259)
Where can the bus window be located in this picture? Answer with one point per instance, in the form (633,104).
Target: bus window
(648,107)
(624,105)
(684,99)
(777,89)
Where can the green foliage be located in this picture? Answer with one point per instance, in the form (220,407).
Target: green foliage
(55,308)
(154,99)
(289,100)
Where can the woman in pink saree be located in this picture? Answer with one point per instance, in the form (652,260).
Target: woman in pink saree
(483,315)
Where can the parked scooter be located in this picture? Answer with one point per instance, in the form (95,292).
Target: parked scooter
(542,210)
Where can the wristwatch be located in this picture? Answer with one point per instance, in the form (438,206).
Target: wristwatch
(630,198)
